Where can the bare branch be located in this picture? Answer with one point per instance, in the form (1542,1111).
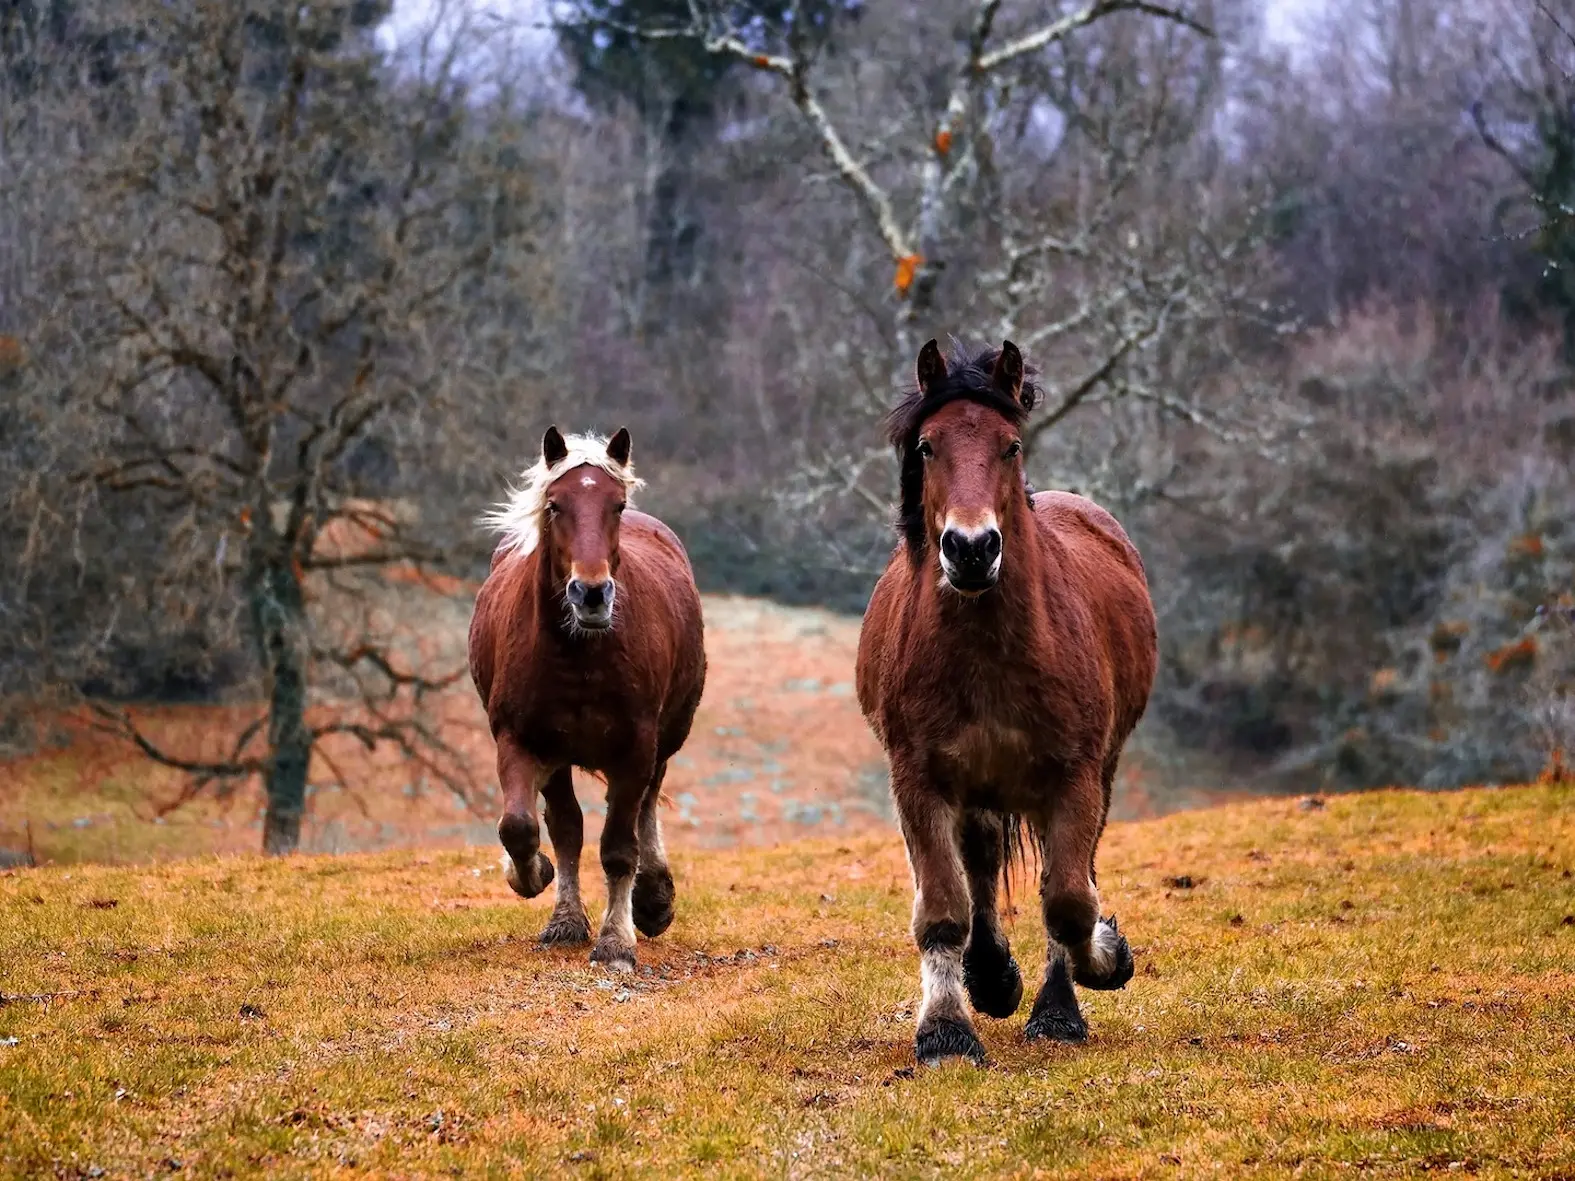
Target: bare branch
(1067,25)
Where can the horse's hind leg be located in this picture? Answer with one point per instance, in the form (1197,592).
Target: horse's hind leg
(990,974)
(566,827)
(653,881)
(1082,946)
(940,921)
(620,857)
(521,775)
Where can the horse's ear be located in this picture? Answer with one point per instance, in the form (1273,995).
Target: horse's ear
(553,448)
(1008,375)
(619,447)
(931,369)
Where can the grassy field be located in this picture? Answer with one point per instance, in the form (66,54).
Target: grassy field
(1386,982)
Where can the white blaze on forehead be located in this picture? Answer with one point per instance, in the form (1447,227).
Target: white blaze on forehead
(588,481)
(518,518)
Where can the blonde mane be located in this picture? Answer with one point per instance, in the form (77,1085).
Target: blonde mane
(518,518)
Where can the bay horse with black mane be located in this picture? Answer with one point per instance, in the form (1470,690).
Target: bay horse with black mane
(586,648)
(1006,654)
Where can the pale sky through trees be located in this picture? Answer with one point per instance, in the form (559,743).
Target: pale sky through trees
(1285,19)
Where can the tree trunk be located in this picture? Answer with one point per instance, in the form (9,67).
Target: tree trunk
(278,610)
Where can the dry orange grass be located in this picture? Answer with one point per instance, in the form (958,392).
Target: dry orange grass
(1386,983)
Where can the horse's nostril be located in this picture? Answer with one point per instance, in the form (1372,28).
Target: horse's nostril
(594,596)
(978,550)
(575,593)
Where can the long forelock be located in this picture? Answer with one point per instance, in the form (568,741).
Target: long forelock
(968,379)
(518,518)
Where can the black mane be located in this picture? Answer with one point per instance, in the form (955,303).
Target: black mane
(968,379)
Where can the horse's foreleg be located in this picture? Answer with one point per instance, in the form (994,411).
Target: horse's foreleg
(521,776)
(995,986)
(1082,946)
(566,827)
(653,881)
(940,921)
(620,857)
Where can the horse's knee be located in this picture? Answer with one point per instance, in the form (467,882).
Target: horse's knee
(618,861)
(939,934)
(941,914)
(1070,914)
(520,836)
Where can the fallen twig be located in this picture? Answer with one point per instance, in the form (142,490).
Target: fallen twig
(43,998)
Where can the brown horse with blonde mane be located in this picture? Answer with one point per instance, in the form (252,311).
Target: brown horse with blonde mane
(1006,654)
(586,648)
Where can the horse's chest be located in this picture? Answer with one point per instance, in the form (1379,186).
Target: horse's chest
(585,719)
(986,751)
(998,727)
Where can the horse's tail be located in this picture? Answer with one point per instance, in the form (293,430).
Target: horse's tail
(1019,844)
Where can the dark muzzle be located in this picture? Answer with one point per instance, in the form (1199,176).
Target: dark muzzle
(971,561)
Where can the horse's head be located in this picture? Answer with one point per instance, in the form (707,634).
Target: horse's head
(579,523)
(960,440)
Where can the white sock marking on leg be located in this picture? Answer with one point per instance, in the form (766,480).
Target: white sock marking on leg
(940,972)
(619,921)
(567,899)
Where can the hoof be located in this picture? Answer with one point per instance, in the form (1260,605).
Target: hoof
(943,1038)
(612,955)
(995,986)
(1111,948)
(531,883)
(1057,1025)
(566,929)
(653,902)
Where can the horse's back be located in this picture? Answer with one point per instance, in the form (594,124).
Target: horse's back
(651,536)
(1076,518)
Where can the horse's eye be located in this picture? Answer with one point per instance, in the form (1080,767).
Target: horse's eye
(925,450)
(621,507)
(552,506)
(1014,449)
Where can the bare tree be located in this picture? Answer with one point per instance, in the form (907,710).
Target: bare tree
(1042,179)
(281,245)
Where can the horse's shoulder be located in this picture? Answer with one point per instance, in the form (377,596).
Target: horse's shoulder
(493,599)
(878,631)
(890,591)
